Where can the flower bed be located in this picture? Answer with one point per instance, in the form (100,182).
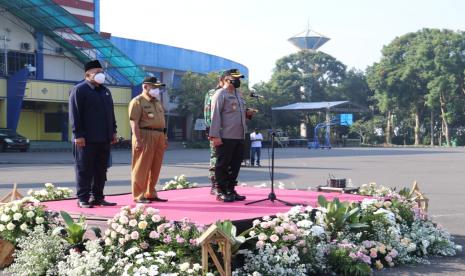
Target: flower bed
(335,237)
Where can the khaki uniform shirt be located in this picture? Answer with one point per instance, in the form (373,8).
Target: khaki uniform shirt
(148,112)
(228,115)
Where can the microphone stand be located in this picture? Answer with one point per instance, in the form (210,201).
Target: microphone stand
(271,196)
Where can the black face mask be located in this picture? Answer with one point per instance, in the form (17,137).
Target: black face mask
(236,83)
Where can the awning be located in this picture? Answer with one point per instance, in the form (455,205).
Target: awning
(336,106)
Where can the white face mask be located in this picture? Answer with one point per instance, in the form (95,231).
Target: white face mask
(155,93)
(99,78)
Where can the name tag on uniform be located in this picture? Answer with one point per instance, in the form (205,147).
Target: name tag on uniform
(232,97)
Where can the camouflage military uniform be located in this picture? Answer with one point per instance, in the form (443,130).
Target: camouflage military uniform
(207,116)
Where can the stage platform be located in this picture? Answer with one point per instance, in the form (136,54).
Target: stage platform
(200,207)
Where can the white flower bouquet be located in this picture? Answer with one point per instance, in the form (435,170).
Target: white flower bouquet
(19,217)
(179,182)
(50,193)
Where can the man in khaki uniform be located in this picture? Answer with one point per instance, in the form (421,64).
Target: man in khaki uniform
(149,141)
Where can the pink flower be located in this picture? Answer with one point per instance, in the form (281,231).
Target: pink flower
(180,239)
(134,235)
(156,218)
(352,255)
(161,228)
(194,242)
(262,237)
(123,220)
(260,244)
(367,244)
(274,238)
(167,239)
(301,243)
(279,229)
(154,235)
(393,253)
(388,258)
(373,254)
(132,222)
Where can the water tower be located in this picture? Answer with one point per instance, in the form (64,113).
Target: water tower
(308,40)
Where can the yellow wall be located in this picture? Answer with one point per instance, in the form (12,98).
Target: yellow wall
(122,121)
(2,88)
(59,92)
(2,112)
(47,91)
(32,123)
(51,94)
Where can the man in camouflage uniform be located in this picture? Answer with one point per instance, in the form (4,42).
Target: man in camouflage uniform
(207,116)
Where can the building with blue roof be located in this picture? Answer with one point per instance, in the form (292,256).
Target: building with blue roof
(44,44)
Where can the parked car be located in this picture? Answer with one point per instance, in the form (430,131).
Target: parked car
(9,139)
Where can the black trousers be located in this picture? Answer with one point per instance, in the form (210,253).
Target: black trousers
(91,163)
(228,163)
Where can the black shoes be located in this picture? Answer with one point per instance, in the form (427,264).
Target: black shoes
(157,199)
(84,204)
(102,203)
(142,200)
(224,197)
(237,197)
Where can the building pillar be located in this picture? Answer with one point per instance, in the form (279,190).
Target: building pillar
(97,16)
(15,88)
(39,55)
(168,77)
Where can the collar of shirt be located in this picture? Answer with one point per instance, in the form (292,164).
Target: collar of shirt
(90,85)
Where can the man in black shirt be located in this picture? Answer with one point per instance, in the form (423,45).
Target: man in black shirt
(93,124)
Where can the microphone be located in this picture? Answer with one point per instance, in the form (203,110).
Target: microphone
(255,95)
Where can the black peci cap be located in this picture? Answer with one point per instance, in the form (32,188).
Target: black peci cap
(153,81)
(92,64)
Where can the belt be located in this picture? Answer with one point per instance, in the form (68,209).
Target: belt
(155,129)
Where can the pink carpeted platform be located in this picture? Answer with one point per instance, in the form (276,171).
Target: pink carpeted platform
(199,206)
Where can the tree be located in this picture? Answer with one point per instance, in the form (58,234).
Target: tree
(420,70)
(308,76)
(190,95)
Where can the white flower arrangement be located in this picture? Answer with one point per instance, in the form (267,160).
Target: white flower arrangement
(272,261)
(38,253)
(372,189)
(179,182)
(159,263)
(92,262)
(50,193)
(19,217)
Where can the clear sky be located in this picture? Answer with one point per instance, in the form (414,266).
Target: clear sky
(255,32)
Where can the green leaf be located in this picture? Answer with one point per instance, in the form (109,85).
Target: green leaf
(67,218)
